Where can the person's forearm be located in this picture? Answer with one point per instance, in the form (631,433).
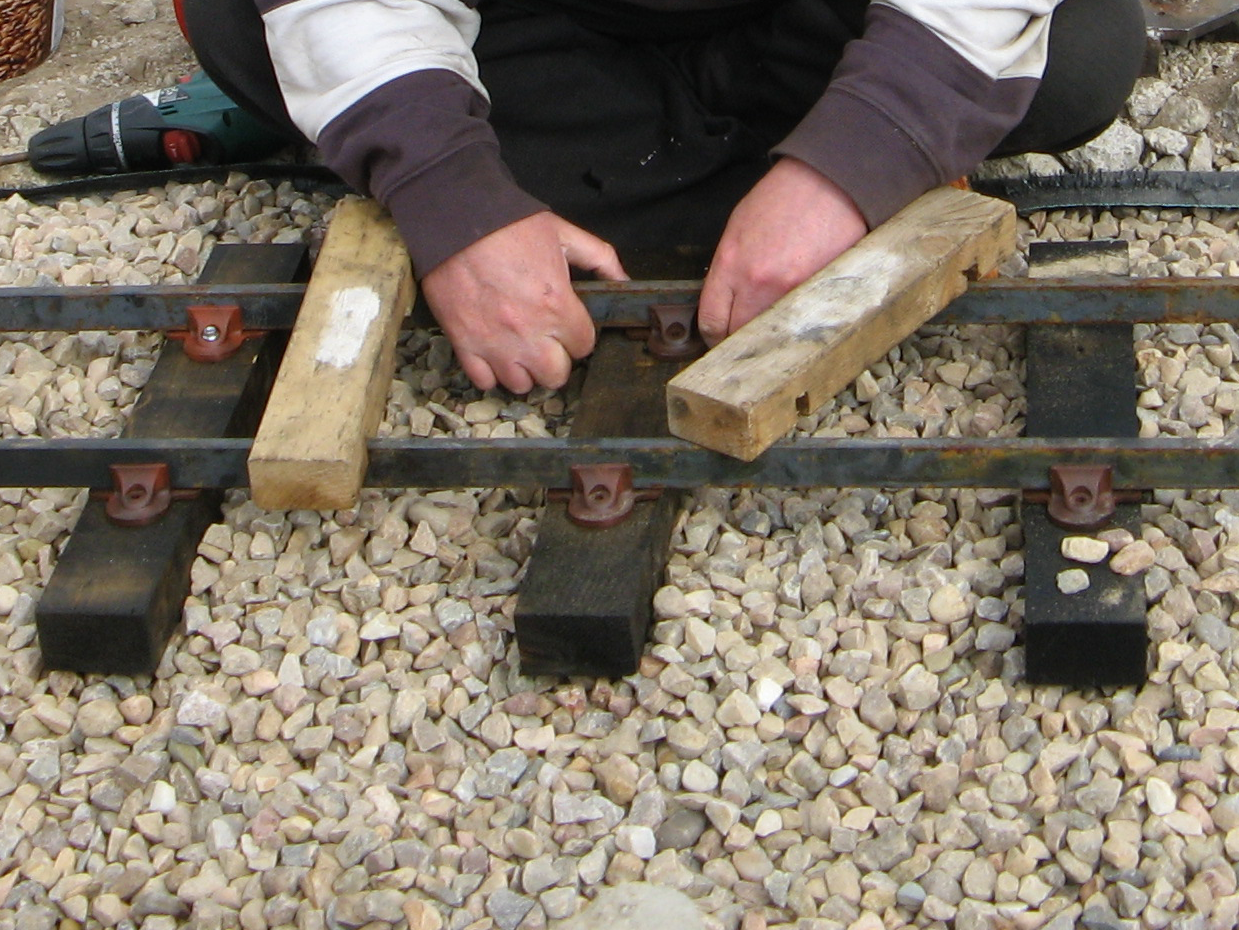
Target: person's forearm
(421,145)
(922,97)
(390,94)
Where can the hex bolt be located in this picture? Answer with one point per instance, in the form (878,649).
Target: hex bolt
(210,333)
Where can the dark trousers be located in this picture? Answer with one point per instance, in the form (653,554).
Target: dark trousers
(646,128)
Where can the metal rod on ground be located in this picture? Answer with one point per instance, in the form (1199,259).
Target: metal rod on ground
(625,305)
(667,463)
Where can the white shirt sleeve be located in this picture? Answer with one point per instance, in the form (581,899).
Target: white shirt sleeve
(328,54)
(1007,40)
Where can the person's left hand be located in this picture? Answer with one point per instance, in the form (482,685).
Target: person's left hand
(792,223)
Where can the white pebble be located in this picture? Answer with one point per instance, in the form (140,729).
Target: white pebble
(1160,797)
(1073,580)
(163,798)
(1084,549)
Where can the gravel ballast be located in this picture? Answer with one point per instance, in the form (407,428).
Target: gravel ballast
(829,729)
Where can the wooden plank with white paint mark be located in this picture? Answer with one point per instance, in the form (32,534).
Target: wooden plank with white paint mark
(310,451)
(747,392)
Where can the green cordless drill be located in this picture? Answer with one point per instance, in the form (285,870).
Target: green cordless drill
(192,122)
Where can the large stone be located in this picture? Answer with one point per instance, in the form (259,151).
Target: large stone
(133,13)
(1019,166)
(917,688)
(1117,149)
(882,853)
(1167,141)
(1133,558)
(1228,116)
(197,709)
(681,830)
(1084,549)
(1183,114)
(636,906)
(1072,580)
(99,718)
(1160,797)
(1147,99)
(737,709)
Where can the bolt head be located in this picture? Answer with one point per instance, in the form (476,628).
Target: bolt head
(210,333)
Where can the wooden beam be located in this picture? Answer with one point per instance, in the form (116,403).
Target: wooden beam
(1077,377)
(585,603)
(747,392)
(1081,382)
(310,452)
(117,592)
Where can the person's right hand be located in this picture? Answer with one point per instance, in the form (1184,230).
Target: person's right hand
(506,302)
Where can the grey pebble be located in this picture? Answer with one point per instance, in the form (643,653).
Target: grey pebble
(507,908)
(911,895)
(681,830)
(1177,752)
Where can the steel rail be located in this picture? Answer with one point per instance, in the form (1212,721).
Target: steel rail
(143,307)
(625,304)
(669,463)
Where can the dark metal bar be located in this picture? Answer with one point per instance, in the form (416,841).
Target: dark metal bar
(145,307)
(1180,21)
(1096,300)
(1105,190)
(264,306)
(626,304)
(668,463)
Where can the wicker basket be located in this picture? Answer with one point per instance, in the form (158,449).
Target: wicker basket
(29,32)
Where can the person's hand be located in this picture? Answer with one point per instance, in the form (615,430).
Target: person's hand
(792,223)
(507,306)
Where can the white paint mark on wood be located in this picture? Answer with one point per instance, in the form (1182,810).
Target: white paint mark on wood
(835,296)
(353,310)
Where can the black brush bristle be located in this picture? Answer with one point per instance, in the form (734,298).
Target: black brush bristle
(1140,188)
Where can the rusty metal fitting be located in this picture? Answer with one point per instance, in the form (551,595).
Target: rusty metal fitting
(215,332)
(1081,496)
(602,494)
(142,493)
(673,331)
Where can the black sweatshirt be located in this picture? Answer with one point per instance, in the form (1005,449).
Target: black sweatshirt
(389,90)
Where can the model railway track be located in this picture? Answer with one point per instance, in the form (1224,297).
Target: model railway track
(566,623)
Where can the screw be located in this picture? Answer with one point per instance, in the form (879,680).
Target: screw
(210,333)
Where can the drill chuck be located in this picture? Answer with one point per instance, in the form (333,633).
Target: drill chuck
(122,136)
